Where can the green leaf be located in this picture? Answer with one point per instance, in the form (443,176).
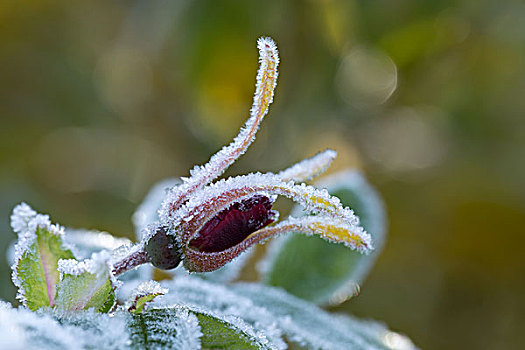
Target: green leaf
(85,285)
(219,334)
(308,326)
(320,271)
(39,247)
(181,327)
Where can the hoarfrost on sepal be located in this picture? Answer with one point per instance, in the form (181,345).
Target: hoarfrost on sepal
(231,271)
(314,200)
(309,168)
(219,162)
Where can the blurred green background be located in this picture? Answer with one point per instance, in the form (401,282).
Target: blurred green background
(101,99)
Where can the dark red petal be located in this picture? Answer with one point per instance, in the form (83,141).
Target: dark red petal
(232,225)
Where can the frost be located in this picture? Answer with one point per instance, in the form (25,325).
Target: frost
(236,188)
(205,203)
(326,227)
(144,293)
(22,329)
(309,168)
(310,326)
(94,330)
(150,287)
(36,253)
(306,266)
(22,215)
(231,271)
(373,212)
(173,328)
(86,284)
(272,314)
(98,264)
(219,162)
(222,302)
(131,258)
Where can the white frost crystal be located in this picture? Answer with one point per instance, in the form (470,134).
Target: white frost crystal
(224,304)
(98,264)
(22,329)
(309,168)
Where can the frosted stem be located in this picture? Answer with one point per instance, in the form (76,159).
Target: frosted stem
(129,262)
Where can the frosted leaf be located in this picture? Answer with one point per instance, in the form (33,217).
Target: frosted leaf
(147,211)
(305,266)
(309,168)
(144,293)
(22,329)
(311,327)
(86,284)
(376,330)
(219,162)
(95,330)
(39,247)
(229,332)
(224,303)
(173,328)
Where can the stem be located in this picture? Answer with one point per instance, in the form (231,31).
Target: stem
(131,261)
